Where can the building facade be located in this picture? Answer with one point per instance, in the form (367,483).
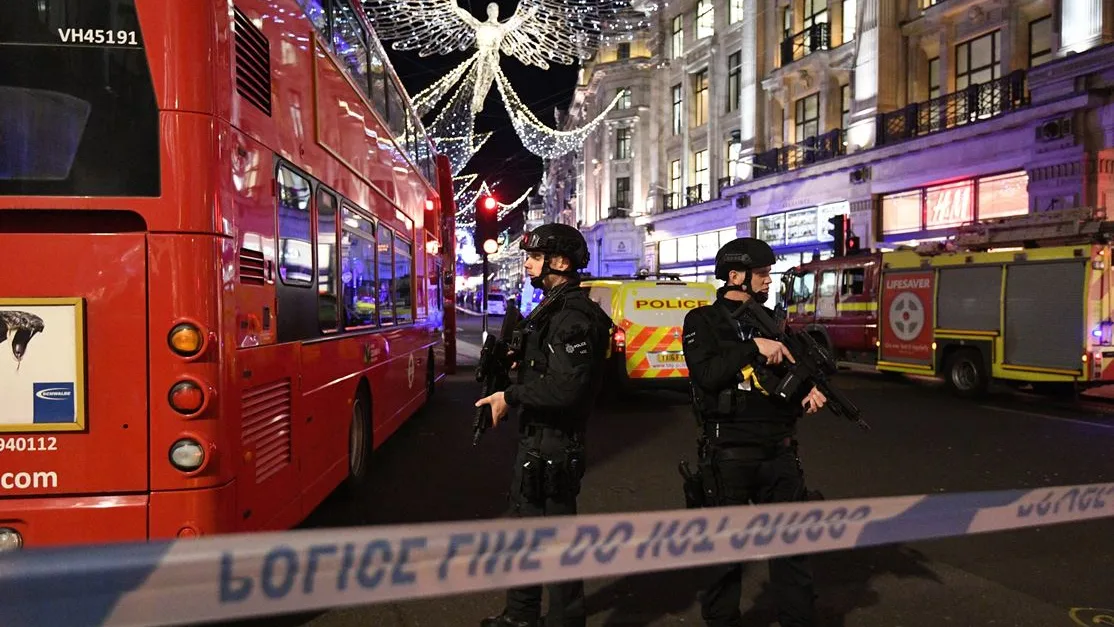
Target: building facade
(912,116)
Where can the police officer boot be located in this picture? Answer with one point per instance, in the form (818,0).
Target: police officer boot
(502,620)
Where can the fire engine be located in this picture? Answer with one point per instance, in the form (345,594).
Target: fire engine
(1023,300)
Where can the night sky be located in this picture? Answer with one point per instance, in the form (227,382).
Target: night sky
(508,167)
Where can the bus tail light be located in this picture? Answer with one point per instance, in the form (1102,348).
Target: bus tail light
(187,455)
(185,339)
(186,397)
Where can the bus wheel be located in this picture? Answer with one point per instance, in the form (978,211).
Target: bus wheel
(430,378)
(359,442)
(965,373)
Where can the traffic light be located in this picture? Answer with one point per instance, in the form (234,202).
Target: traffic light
(840,224)
(852,246)
(844,241)
(487,225)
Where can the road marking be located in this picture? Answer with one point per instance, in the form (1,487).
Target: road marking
(1049,417)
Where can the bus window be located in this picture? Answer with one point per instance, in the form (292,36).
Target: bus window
(317,15)
(377,82)
(326,259)
(297,303)
(358,270)
(404,307)
(77,117)
(350,43)
(295,252)
(386,289)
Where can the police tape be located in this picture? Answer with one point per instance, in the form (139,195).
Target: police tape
(246,575)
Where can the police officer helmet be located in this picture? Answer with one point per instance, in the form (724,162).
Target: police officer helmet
(743,253)
(558,239)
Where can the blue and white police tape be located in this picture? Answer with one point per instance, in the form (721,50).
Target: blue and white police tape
(246,575)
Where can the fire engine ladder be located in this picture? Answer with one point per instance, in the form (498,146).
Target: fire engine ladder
(1047,228)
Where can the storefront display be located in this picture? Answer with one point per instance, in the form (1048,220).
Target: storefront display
(692,257)
(949,205)
(800,227)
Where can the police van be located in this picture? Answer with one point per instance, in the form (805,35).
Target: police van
(648,312)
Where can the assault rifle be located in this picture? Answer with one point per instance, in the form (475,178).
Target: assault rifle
(493,371)
(813,364)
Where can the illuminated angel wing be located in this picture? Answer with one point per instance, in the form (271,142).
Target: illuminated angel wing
(562,31)
(428,26)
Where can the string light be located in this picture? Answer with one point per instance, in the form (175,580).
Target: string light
(539,32)
(539,138)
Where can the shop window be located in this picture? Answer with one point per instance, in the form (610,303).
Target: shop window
(686,249)
(771,228)
(667,252)
(1003,195)
(707,245)
(949,205)
(901,213)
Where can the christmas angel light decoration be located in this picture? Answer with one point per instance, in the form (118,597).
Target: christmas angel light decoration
(538,33)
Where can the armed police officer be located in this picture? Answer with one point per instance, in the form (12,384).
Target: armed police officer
(748,453)
(559,371)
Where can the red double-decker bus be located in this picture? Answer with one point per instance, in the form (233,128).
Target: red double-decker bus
(227,245)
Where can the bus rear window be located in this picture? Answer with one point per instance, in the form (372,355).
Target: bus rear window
(78,115)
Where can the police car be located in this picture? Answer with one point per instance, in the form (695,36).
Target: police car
(648,312)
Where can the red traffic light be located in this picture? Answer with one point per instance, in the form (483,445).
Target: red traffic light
(488,202)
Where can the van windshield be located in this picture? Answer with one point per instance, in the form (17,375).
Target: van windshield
(665,305)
